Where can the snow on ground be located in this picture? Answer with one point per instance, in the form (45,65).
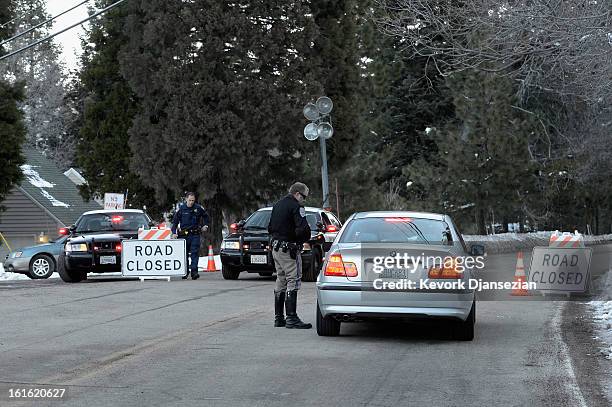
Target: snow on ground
(602,315)
(513,242)
(203,263)
(6,276)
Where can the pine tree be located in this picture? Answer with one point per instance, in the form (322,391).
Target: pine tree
(42,73)
(222,87)
(12,131)
(482,165)
(106,107)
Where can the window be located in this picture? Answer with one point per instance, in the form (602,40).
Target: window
(397,230)
(112,222)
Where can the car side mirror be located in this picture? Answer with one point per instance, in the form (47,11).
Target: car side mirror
(152,224)
(320,226)
(477,250)
(72,229)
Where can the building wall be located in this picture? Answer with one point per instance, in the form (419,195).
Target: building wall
(22,221)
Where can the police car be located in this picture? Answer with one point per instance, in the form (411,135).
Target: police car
(247,246)
(94,245)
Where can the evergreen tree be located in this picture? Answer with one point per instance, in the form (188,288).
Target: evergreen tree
(42,73)
(222,87)
(482,165)
(12,131)
(105,107)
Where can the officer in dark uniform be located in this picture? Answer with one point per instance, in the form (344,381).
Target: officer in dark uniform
(188,222)
(289,230)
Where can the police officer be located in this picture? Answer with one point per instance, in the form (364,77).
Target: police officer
(289,230)
(188,222)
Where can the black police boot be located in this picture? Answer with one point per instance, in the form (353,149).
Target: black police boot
(279,308)
(293,321)
(185,276)
(195,276)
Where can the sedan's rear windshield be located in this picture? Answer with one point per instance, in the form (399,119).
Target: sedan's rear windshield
(397,230)
(112,222)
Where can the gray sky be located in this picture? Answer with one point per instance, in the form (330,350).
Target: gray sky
(69,41)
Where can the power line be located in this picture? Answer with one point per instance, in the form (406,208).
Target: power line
(62,31)
(21,34)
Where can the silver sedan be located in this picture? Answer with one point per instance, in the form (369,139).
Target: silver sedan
(406,265)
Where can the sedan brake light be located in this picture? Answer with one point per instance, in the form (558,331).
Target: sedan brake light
(118,247)
(450,268)
(63,231)
(331,228)
(337,268)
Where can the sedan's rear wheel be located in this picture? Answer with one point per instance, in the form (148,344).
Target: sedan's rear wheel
(464,330)
(69,276)
(41,266)
(327,326)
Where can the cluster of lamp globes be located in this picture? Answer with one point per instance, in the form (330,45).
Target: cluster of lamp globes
(318,114)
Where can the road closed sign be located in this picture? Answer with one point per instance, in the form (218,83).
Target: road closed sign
(560,269)
(147,258)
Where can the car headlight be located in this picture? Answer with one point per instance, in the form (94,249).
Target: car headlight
(16,254)
(231,245)
(79,247)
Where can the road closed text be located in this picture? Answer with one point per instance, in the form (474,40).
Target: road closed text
(154,257)
(170,266)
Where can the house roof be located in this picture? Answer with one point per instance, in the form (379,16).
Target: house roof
(53,191)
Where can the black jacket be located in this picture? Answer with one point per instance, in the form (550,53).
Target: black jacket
(288,221)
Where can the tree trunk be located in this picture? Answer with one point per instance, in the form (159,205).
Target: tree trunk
(480,221)
(214,236)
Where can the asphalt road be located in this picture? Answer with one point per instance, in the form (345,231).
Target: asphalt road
(211,342)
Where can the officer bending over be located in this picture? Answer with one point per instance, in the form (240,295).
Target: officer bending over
(188,222)
(289,230)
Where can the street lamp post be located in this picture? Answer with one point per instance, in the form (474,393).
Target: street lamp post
(320,127)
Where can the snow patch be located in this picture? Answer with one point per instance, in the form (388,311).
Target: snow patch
(34,177)
(36,180)
(602,315)
(54,201)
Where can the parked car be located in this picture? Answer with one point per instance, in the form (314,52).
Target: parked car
(349,291)
(247,246)
(37,262)
(94,244)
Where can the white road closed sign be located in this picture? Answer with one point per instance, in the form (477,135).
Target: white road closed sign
(560,269)
(141,258)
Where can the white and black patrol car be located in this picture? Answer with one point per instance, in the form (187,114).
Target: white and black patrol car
(94,243)
(247,246)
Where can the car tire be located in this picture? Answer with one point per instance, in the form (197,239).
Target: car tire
(464,330)
(315,266)
(67,275)
(327,326)
(41,266)
(229,273)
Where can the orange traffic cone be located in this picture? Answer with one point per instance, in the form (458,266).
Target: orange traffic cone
(520,277)
(211,260)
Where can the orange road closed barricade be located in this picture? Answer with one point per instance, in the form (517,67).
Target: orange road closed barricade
(566,239)
(154,234)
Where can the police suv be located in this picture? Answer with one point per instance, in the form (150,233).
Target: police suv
(94,244)
(247,246)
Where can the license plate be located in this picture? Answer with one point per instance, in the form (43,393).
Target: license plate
(259,259)
(394,273)
(108,260)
